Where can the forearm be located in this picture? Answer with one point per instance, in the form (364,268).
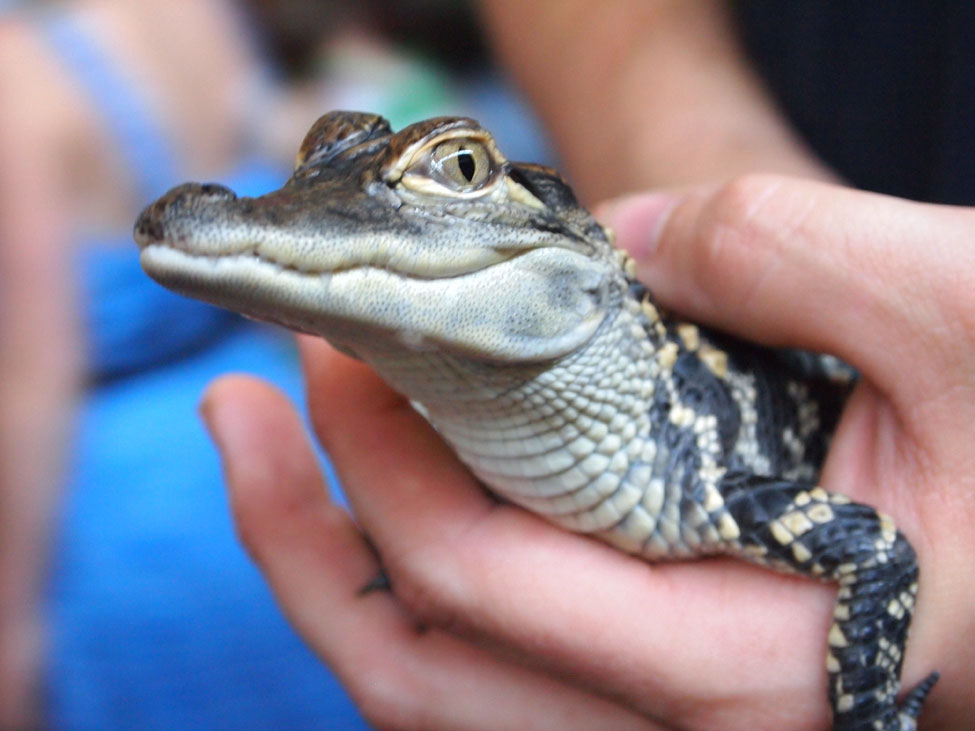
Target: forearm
(39,347)
(641,93)
(39,374)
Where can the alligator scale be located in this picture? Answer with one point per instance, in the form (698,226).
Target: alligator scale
(481,290)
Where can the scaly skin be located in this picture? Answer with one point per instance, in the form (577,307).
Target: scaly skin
(481,290)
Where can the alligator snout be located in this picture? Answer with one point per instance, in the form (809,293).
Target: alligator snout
(192,199)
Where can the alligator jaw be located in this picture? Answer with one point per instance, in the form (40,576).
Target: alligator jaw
(313,269)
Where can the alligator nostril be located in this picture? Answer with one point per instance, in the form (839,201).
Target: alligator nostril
(186,202)
(147,229)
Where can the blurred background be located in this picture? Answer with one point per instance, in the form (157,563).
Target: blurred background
(125,599)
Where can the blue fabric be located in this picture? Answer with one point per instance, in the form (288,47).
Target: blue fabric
(131,322)
(158,618)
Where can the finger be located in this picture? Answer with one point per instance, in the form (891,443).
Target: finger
(797,263)
(650,635)
(279,499)
(316,561)
(368,428)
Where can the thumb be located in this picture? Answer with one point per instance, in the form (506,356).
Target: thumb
(795,263)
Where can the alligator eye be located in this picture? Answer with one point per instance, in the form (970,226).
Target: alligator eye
(449,165)
(463,165)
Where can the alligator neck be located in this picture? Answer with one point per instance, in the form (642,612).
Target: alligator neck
(575,428)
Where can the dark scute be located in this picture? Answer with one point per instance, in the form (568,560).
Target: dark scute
(545,184)
(337,131)
(704,392)
(754,500)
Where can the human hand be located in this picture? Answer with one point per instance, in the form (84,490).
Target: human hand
(397,653)
(523,621)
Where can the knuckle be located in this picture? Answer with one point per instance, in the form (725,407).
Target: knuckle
(436,582)
(735,208)
(427,593)
(729,240)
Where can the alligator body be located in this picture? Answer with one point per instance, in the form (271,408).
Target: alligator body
(481,290)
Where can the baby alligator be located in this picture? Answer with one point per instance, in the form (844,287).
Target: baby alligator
(481,290)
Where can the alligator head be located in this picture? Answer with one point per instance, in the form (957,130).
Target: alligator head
(428,234)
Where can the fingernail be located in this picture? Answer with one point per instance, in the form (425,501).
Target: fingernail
(638,220)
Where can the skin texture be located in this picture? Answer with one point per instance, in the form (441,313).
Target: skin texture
(493,610)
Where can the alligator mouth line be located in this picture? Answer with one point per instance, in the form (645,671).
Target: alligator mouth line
(250,254)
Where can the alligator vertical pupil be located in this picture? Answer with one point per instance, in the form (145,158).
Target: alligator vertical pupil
(465,162)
